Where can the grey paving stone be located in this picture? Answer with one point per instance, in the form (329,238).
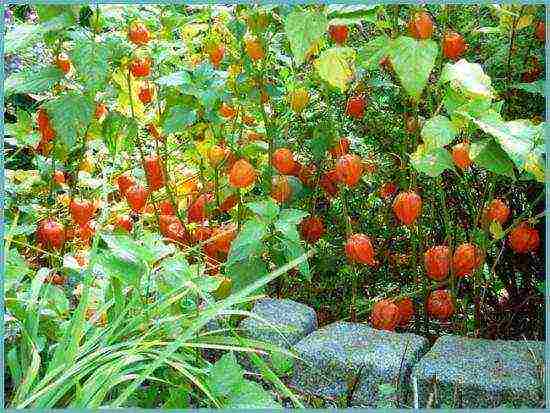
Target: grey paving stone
(358,363)
(292,319)
(461,372)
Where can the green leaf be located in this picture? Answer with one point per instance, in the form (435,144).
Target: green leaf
(536,87)
(70,113)
(489,155)
(15,270)
(32,80)
(54,299)
(432,162)
(251,395)
(249,241)
(304,29)
(336,66)
(246,272)
(175,79)
(341,14)
(438,132)
(49,12)
(289,218)
(369,55)
(111,265)
(293,249)
(128,249)
(119,132)
(468,78)
(23,131)
(516,137)
(179,118)
(21,36)
(267,210)
(226,376)
(413,61)
(91,63)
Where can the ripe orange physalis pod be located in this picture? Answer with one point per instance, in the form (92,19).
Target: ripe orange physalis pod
(453,45)
(124,182)
(498,211)
(63,62)
(145,94)
(283,161)
(407,207)
(197,209)
(466,259)
(437,261)
(355,107)
(242,174)
(51,233)
(387,189)
(281,190)
(524,238)
(385,315)
(359,249)
(440,305)
(154,172)
(138,34)
(406,310)
(254,49)
(328,182)
(81,211)
(461,155)
(338,33)
(166,208)
(141,67)
(136,196)
(421,26)
(216,53)
(124,223)
(312,229)
(349,169)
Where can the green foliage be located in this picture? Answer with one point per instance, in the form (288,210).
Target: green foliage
(304,29)
(33,80)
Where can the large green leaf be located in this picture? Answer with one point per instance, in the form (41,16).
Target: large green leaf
(369,55)
(179,118)
(289,218)
(489,155)
(119,132)
(32,80)
(304,29)
(267,210)
(22,132)
(432,162)
(413,61)
(226,375)
(16,269)
(467,77)
(55,300)
(293,248)
(342,14)
(516,137)
(244,273)
(336,66)
(91,62)
(251,395)
(249,241)
(71,113)
(438,132)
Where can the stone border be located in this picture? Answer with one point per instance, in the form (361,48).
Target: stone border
(448,374)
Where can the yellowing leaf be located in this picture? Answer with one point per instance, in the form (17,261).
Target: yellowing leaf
(524,21)
(534,164)
(189,31)
(469,78)
(123,102)
(336,66)
(496,230)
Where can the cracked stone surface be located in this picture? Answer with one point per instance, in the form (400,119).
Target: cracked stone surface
(357,362)
(475,373)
